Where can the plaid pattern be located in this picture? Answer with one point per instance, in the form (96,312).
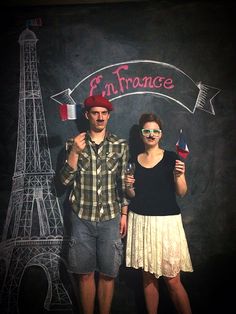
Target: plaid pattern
(98,191)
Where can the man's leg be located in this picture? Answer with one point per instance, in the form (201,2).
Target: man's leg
(81,261)
(109,253)
(105,293)
(87,291)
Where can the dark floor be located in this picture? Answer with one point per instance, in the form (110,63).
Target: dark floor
(209,289)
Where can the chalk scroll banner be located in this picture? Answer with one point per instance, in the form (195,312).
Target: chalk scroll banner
(141,77)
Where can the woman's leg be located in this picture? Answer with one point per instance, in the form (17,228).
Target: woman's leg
(178,294)
(151,292)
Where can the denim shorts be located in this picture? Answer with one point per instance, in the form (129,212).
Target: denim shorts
(95,246)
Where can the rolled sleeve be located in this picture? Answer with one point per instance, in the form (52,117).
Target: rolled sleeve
(125,202)
(67,174)
(125,157)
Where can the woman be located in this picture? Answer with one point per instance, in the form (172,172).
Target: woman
(156,239)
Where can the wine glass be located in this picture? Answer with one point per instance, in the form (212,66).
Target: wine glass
(130,169)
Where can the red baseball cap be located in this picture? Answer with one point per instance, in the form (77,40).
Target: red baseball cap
(97,101)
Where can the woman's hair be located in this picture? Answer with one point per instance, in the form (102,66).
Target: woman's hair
(149,117)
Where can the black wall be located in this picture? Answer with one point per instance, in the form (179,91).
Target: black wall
(197,38)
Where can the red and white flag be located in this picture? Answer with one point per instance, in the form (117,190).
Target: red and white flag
(69,112)
(34,22)
(181,146)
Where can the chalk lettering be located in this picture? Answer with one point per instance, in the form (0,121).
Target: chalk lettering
(147,81)
(168,83)
(120,80)
(94,83)
(110,89)
(122,84)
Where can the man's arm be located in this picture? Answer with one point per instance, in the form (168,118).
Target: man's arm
(73,148)
(124,161)
(124,200)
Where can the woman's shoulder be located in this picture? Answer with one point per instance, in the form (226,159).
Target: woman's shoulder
(170,154)
(139,155)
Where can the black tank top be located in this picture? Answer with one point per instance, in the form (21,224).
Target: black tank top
(155,188)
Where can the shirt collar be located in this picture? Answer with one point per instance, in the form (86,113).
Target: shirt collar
(109,137)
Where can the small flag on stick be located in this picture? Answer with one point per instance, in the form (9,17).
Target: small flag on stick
(69,112)
(181,146)
(34,22)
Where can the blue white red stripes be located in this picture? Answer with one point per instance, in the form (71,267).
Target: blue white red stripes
(34,22)
(181,146)
(69,112)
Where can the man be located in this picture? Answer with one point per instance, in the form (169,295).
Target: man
(96,167)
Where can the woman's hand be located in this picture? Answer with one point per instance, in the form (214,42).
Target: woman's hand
(179,168)
(179,177)
(129,181)
(129,185)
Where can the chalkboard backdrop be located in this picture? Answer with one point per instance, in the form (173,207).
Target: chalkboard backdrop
(174,58)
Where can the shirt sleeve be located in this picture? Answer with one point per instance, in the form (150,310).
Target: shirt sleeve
(124,160)
(67,173)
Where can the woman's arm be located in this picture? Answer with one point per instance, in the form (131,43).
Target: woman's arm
(129,188)
(179,177)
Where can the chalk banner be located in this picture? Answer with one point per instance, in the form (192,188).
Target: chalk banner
(141,77)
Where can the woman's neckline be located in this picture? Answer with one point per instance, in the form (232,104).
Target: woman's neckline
(154,164)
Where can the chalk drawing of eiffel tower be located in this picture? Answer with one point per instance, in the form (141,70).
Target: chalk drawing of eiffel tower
(33,231)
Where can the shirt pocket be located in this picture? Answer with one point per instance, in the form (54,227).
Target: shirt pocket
(112,161)
(84,161)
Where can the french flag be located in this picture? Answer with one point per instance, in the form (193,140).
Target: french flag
(34,22)
(181,146)
(69,112)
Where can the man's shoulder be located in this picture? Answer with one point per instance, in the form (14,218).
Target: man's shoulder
(113,138)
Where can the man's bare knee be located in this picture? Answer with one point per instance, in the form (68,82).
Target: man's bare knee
(86,277)
(105,277)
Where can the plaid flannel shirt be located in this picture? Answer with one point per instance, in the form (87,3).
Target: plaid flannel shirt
(98,190)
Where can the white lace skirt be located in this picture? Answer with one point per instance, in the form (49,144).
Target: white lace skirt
(157,244)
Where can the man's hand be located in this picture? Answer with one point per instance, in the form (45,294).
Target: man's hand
(79,143)
(77,147)
(123,226)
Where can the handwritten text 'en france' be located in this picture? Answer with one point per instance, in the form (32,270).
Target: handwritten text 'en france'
(122,84)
